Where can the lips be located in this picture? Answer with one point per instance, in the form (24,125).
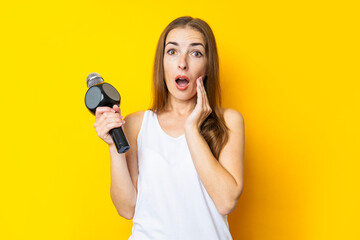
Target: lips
(182,82)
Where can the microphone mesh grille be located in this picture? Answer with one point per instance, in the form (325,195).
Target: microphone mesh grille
(93,79)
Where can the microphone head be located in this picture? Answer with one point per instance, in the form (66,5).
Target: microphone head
(93,79)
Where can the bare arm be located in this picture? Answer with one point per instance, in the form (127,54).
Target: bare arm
(223,177)
(122,190)
(123,166)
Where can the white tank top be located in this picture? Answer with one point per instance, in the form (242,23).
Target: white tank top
(172,203)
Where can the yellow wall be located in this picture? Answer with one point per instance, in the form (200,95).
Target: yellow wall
(290,67)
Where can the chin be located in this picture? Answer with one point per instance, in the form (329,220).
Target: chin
(183,96)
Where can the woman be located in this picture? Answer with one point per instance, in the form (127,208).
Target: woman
(184,172)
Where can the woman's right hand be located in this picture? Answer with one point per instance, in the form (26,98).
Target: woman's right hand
(107,118)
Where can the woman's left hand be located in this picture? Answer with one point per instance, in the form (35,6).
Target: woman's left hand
(202,109)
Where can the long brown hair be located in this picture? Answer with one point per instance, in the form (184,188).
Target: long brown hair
(213,129)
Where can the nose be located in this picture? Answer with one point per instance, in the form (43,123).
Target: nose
(182,64)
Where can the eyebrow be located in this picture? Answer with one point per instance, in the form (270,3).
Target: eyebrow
(191,44)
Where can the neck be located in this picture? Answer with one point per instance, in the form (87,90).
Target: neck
(179,107)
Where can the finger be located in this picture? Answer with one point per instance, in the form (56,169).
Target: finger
(113,120)
(100,110)
(101,124)
(198,82)
(103,119)
(199,93)
(205,98)
(103,130)
(118,111)
(203,87)
(110,115)
(203,92)
(110,126)
(107,121)
(116,108)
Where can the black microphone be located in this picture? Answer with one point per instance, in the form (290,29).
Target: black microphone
(102,94)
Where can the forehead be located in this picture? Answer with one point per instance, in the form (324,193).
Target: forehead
(184,36)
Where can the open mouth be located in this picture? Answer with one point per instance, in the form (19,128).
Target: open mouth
(182,82)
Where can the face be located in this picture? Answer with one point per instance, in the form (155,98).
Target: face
(184,62)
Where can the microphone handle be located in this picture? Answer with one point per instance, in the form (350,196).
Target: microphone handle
(119,139)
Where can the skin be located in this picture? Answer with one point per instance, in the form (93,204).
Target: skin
(184,114)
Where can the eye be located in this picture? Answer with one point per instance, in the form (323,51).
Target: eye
(197,54)
(171,51)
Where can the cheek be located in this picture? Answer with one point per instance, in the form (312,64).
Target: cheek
(166,71)
(167,66)
(201,68)
(204,66)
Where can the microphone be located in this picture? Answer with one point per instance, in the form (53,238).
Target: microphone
(101,94)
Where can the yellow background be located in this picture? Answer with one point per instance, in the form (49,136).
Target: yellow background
(290,67)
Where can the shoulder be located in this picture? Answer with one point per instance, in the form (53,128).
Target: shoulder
(135,117)
(133,123)
(232,117)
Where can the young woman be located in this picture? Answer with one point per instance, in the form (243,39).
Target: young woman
(184,172)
